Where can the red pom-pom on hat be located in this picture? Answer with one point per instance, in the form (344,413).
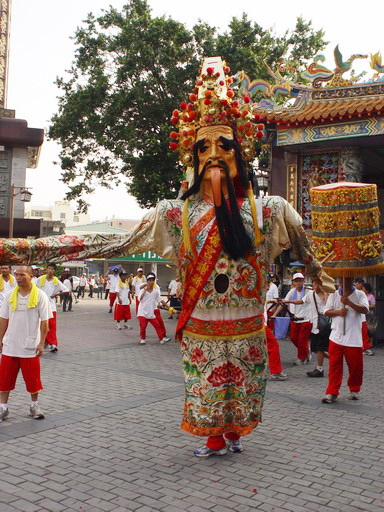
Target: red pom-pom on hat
(173,145)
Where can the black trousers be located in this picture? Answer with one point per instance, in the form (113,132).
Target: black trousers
(67,301)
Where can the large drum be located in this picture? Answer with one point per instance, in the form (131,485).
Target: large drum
(345,223)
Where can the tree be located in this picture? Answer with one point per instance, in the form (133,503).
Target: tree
(130,71)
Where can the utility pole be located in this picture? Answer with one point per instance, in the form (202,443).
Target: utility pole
(5,23)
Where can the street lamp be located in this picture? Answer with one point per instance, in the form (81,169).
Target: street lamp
(25,197)
(262,181)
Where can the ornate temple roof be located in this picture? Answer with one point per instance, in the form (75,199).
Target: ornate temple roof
(321,95)
(316,111)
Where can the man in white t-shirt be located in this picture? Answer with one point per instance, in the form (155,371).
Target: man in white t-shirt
(300,327)
(123,301)
(36,274)
(317,299)
(67,298)
(148,301)
(113,280)
(174,301)
(272,290)
(274,359)
(92,285)
(137,283)
(345,307)
(51,285)
(7,281)
(24,317)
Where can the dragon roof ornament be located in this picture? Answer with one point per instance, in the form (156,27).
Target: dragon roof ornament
(318,76)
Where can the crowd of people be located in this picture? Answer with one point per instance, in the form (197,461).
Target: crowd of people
(145,293)
(337,326)
(28,306)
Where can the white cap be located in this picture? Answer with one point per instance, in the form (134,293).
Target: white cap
(298,275)
(33,267)
(140,269)
(66,270)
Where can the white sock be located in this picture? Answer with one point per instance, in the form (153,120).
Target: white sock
(320,368)
(34,403)
(4,406)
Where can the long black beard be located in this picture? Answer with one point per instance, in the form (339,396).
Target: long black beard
(236,241)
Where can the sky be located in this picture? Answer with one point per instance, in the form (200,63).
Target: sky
(41,49)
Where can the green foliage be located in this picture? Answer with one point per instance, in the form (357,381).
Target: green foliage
(130,71)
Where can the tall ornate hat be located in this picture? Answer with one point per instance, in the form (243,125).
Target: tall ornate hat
(214,102)
(345,222)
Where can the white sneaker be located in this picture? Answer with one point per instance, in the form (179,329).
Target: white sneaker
(3,413)
(118,326)
(142,342)
(299,362)
(127,326)
(354,396)
(36,412)
(164,340)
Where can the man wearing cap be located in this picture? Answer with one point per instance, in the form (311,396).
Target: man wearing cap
(316,299)
(67,297)
(149,299)
(137,283)
(301,326)
(36,273)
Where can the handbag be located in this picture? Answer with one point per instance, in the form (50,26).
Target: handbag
(323,322)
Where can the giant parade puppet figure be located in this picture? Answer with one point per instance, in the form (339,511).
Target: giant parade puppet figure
(222,241)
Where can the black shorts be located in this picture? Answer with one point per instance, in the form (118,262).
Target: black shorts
(319,343)
(175,302)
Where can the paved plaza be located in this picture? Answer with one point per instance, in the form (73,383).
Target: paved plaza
(111,438)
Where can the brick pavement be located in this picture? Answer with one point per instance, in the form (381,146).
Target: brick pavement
(110,440)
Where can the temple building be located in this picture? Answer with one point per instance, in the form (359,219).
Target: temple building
(329,129)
